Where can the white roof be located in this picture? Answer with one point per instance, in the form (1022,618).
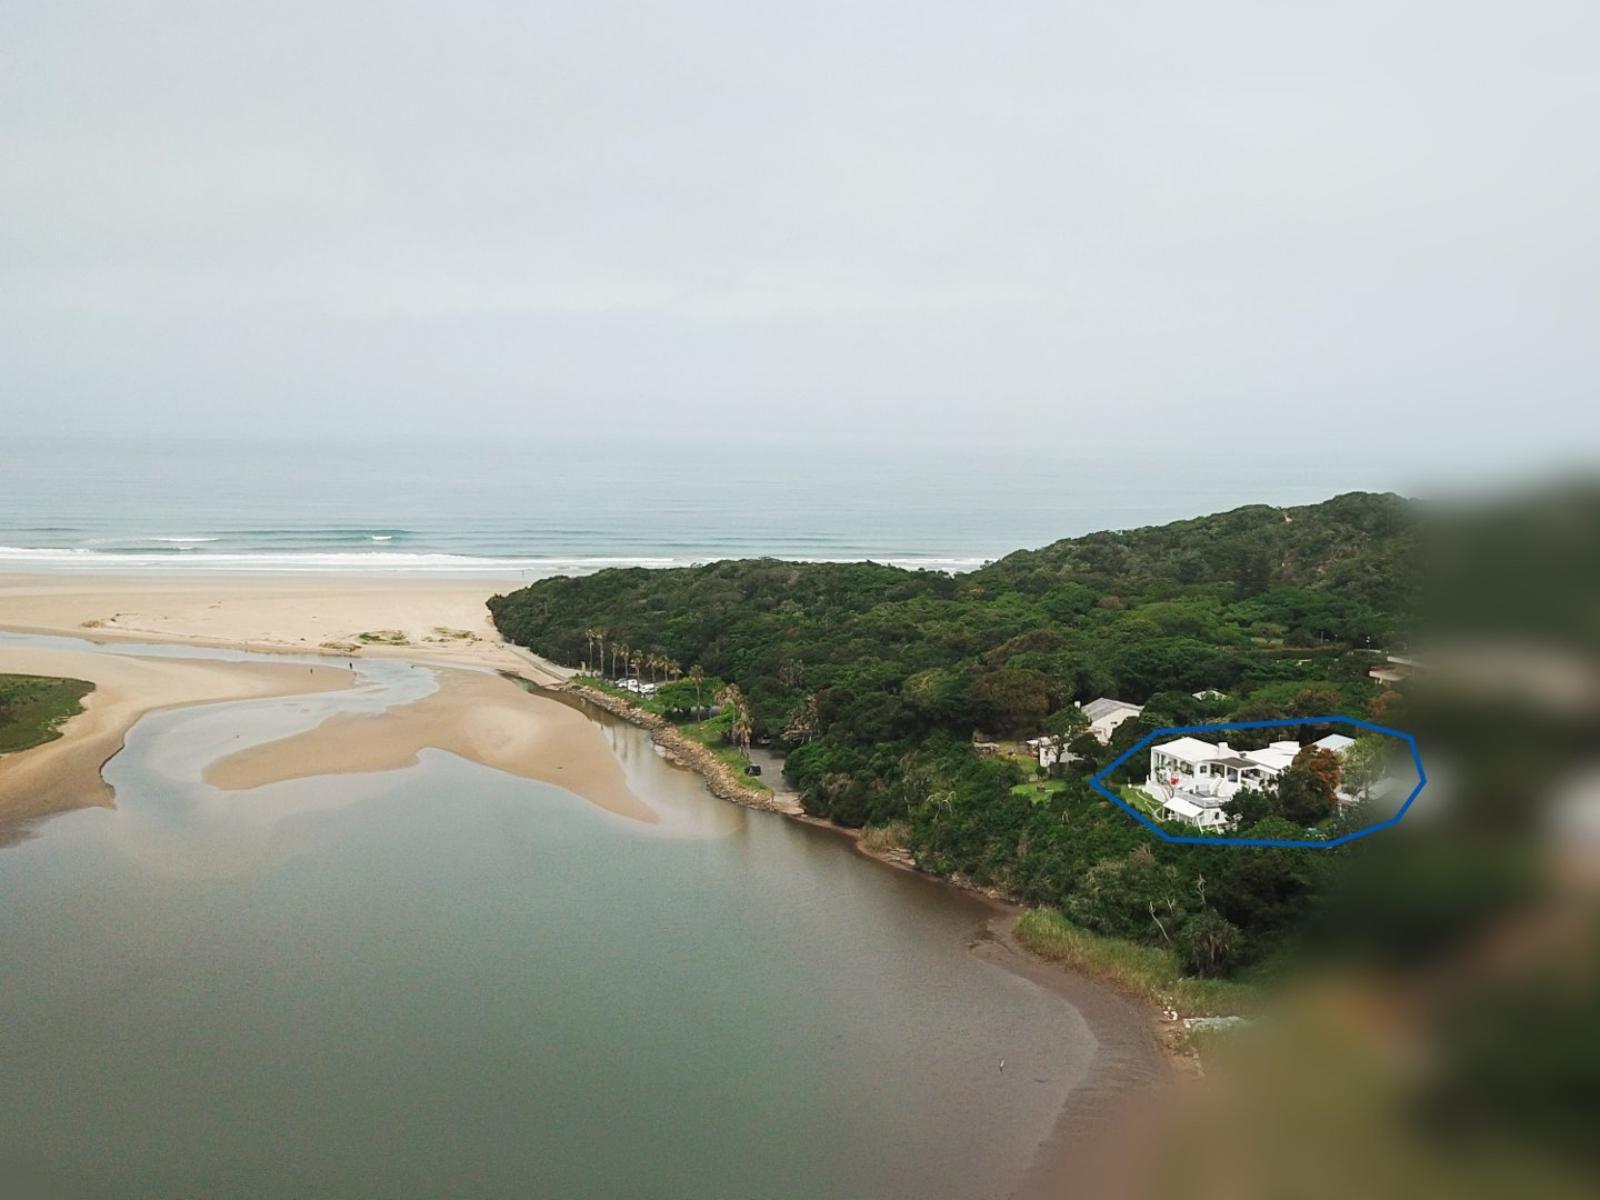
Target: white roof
(1276,756)
(1335,742)
(1189,750)
(1183,808)
(1105,707)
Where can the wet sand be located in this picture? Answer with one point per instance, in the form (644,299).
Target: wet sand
(65,773)
(474,715)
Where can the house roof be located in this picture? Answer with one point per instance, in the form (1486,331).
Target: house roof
(1234,760)
(1183,807)
(1276,756)
(1105,707)
(1335,742)
(1188,749)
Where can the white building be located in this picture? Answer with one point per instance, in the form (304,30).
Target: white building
(1193,780)
(1105,714)
(1050,751)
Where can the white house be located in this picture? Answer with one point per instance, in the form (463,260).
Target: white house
(1193,780)
(1105,714)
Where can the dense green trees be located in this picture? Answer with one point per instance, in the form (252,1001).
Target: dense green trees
(874,680)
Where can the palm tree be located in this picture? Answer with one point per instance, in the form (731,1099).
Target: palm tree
(741,730)
(636,660)
(588,653)
(600,637)
(697,676)
(674,670)
(619,652)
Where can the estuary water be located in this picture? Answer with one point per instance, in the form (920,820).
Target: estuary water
(446,981)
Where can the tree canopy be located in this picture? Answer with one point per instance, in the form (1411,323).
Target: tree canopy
(875,680)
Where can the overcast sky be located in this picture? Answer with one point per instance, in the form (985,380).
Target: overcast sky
(1093,222)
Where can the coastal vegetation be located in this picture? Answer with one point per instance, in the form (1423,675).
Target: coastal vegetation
(33,708)
(900,698)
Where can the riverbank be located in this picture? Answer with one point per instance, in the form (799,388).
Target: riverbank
(680,748)
(1147,976)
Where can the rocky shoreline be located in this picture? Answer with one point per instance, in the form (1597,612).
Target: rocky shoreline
(687,752)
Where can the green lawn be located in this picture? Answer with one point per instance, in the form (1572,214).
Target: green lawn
(1140,799)
(710,734)
(32,708)
(1039,790)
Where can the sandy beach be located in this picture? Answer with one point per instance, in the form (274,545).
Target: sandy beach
(421,620)
(65,773)
(474,714)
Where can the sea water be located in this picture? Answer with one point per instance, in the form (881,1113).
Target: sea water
(537,507)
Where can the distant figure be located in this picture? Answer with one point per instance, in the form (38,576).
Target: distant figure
(1002,1066)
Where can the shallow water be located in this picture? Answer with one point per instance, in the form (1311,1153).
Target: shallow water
(449,981)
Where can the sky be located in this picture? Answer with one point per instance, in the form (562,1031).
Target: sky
(1362,224)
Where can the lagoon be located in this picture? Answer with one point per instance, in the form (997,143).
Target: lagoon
(445,980)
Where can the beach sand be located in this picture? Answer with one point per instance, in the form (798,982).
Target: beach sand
(421,620)
(474,714)
(477,716)
(65,774)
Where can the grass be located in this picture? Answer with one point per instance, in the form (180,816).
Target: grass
(383,637)
(1039,790)
(896,835)
(1147,971)
(32,708)
(1140,799)
(710,734)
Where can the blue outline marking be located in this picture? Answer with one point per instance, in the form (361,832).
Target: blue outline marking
(1279,723)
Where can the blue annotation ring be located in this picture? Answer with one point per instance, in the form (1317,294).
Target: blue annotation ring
(1205,840)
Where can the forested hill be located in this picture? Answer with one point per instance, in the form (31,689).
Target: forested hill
(1213,602)
(1359,543)
(875,679)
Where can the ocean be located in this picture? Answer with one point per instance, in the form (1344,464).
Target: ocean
(538,507)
